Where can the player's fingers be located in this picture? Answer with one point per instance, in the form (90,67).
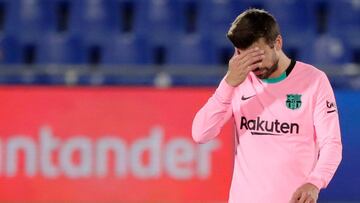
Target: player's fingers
(312,199)
(246,55)
(253,55)
(248,52)
(254,66)
(250,59)
(295,197)
(302,198)
(236,55)
(308,199)
(255,59)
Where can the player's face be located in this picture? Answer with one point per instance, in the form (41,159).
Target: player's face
(269,63)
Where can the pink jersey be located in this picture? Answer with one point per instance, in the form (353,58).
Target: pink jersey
(287,133)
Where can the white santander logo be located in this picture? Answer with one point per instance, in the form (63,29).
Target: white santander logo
(178,158)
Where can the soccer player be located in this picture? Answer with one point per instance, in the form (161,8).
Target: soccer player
(288,143)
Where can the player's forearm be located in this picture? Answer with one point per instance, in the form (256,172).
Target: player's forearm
(213,115)
(328,135)
(329,160)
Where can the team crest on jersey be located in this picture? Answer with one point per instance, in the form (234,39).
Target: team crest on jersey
(293,101)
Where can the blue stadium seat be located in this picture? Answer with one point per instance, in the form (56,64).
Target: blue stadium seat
(114,49)
(293,45)
(19,49)
(92,47)
(212,17)
(26,17)
(125,14)
(295,17)
(93,17)
(3,13)
(190,50)
(125,49)
(57,12)
(191,61)
(59,49)
(223,51)
(189,13)
(326,50)
(156,19)
(9,49)
(216,16)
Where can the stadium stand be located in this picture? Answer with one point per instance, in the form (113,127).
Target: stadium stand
(59,48)
(118,33)
(344,22)
(137,50)
(190,50)
(93,18)
(25,17)
(327,50)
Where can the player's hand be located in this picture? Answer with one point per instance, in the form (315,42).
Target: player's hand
(307,193)
(242,63)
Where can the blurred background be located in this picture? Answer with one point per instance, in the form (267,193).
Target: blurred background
(97,96)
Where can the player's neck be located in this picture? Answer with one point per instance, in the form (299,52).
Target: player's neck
(283,64)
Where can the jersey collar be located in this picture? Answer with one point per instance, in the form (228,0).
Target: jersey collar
(283,75)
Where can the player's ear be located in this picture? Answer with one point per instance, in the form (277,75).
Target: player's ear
(236,51)
(278,43)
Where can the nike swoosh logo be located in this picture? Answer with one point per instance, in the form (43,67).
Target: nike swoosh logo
(246,98)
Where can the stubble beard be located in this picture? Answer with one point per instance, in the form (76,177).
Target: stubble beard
(271,70)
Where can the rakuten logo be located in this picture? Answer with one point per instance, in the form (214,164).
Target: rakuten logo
(178,158)
(264,127)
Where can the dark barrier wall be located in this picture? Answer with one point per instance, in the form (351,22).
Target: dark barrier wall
(130,145)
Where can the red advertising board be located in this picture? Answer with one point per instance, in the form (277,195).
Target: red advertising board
(109,145)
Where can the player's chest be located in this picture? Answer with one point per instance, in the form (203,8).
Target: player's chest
(275,112)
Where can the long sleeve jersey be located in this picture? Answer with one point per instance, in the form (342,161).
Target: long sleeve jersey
(287,133)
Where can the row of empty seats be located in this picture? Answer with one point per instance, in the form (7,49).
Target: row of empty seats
(132,50)
(168,31)
(94,16)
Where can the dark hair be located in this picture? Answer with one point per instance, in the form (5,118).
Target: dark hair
(250,26)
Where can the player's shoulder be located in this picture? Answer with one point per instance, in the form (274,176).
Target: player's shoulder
(309,70)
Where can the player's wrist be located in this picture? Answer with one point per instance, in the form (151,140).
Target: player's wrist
(224,92)
(231,81)
(318,183)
